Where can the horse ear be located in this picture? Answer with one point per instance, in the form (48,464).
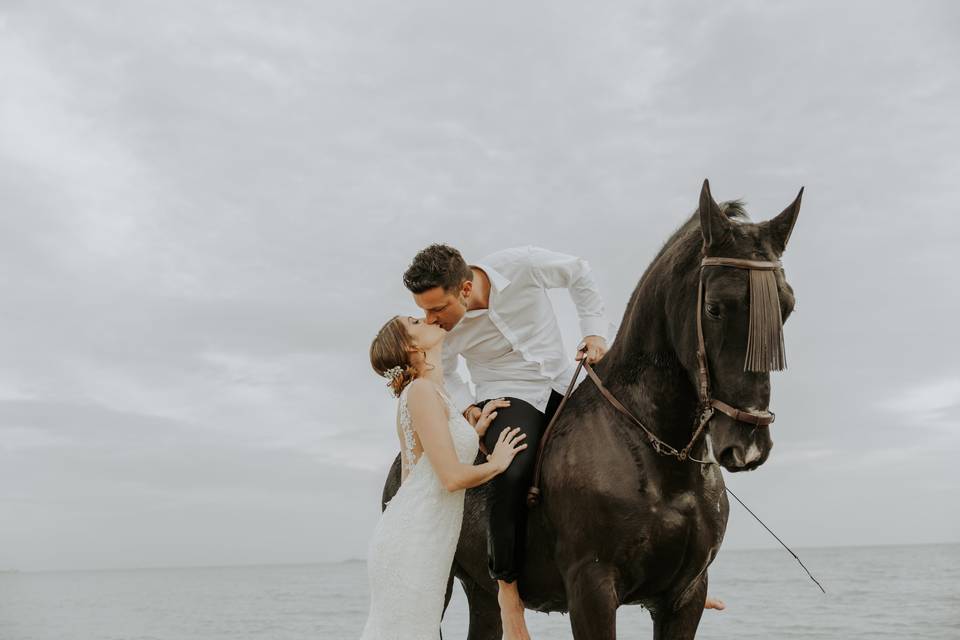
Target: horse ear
(781,227)
(714,225)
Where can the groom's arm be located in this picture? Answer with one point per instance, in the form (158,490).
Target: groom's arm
(456,386)
(561,271)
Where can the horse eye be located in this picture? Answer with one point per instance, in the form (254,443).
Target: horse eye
(713,310)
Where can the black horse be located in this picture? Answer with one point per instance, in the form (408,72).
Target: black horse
(618,523)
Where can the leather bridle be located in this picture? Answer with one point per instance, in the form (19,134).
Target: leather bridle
(756,418)
(707,405)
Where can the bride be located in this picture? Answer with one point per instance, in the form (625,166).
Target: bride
(411,553)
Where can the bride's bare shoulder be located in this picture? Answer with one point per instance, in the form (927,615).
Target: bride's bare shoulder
(423,397)
(421,389)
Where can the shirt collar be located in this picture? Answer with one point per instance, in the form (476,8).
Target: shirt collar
(497,280)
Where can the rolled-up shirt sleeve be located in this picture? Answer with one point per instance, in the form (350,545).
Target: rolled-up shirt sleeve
(456,386)
(562,271)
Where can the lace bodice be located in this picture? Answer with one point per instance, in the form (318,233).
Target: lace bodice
(407,455)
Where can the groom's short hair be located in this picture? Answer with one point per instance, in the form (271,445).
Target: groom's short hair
(438,265)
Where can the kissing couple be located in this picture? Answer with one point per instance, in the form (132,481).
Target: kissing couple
(497,315)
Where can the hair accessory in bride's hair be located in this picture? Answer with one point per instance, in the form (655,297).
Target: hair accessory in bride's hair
(393,373)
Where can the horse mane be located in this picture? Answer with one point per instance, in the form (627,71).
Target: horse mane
(683,247)
(676,257)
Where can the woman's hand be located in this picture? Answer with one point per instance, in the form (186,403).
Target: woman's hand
(508,446)
(488,414)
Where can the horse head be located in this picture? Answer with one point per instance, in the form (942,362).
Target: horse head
(742,300)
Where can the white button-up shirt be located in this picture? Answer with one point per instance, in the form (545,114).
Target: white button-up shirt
(514,347)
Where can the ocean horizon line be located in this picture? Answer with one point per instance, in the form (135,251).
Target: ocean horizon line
(354,560)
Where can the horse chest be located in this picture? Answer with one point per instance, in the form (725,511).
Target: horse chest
(673,546)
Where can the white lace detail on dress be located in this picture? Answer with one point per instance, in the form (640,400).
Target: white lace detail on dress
(406,425)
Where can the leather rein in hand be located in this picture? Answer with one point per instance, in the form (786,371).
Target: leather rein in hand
(707,405)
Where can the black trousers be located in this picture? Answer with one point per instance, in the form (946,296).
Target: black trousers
(507,501)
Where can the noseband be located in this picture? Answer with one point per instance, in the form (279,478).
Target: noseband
(756,418)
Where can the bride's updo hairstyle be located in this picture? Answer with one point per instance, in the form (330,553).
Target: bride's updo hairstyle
(390,355)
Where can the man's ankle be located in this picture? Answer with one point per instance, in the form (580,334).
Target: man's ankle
(509,592)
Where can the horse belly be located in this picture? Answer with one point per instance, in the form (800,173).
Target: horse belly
(541,583)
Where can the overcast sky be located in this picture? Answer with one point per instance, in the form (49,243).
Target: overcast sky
(207,209)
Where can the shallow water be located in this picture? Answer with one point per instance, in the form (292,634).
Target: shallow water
(872,592)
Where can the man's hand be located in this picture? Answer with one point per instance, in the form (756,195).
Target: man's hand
(472,414)
(596,348)
(488,414)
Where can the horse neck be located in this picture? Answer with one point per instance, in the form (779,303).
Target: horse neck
(643,370)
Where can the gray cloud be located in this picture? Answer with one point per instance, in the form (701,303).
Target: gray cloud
(207,210)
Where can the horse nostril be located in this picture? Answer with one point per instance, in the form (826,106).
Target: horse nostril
(731,458)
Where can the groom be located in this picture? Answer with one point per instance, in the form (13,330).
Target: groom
(499,318)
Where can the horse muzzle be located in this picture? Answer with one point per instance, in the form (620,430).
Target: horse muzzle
(738,446)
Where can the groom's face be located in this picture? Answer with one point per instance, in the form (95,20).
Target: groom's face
(444,308)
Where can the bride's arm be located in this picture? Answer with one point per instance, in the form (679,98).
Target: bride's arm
(430,421)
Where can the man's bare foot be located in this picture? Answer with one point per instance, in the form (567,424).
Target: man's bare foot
(511,612)
(714,603)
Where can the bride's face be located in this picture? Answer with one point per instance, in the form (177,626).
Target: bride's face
(425,336)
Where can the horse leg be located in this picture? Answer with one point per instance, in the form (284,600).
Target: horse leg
(592,599)
(484,611)
(680,622)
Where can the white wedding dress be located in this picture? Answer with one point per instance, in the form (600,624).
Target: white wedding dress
(411,553)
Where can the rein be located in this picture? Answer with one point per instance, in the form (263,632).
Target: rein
(658,445)
(759,353)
